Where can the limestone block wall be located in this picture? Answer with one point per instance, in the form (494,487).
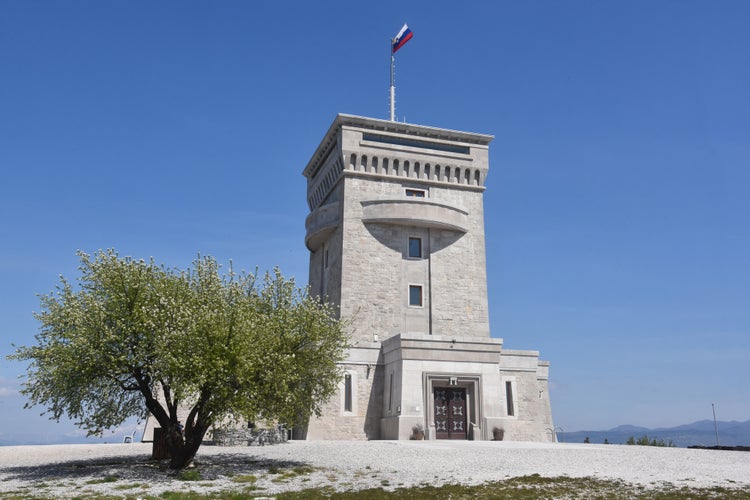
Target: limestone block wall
(376,271)
(459,279)
(363,159)
(363,422)
(372,293)
(532,414)
(373,185)
(325,259)
(249,437)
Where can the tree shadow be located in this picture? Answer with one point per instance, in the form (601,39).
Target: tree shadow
(143,468)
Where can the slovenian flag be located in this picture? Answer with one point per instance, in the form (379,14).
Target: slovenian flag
(403,36)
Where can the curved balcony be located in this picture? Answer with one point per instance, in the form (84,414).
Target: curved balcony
(422,213)
(320,224)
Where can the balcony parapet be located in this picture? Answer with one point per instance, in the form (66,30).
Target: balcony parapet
(320,224)
(418,212)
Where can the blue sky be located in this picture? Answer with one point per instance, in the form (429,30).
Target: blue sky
(616,205)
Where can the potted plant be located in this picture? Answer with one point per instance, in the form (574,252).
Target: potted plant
(417,432)
(498,433)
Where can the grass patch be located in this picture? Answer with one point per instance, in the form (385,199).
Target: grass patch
(526,488)
(225,495)
(130,486)
(189,475)
(245,478)
(285,474)
(105,479)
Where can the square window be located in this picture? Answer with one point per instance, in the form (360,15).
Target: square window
(415,295)
(415,248)
(416,193)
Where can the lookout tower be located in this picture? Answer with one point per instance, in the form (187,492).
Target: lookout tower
(396,240)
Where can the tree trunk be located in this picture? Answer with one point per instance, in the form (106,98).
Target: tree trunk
(182,444)
(184,449)
(182,457)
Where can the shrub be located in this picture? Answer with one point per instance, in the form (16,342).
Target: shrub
(645,441)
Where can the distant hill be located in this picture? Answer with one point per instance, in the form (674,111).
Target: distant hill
(698,433)
(73,438)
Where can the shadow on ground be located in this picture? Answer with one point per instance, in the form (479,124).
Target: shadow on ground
(144,468)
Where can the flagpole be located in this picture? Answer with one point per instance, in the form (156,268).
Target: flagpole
(393,85)
(404,35)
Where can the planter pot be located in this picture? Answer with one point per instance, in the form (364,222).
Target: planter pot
(498,434)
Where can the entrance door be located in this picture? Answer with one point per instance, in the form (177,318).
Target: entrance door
(450,413)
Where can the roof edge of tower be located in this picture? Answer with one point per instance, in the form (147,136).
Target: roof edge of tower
(423,131)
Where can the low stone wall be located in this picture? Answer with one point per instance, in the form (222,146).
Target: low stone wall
(249,437)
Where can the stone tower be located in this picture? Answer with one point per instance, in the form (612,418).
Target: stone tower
(396,240)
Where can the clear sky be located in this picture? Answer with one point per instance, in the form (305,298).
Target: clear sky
(617,204)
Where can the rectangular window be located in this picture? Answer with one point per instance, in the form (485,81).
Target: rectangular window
(348,392)
(509,398)
(416,193)
(326,258)
(415,295)
(415,248)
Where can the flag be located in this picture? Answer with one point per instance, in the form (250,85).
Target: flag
(400,40)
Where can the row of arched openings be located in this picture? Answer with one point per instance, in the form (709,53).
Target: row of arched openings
(395,167)
(415,170)
(330,174)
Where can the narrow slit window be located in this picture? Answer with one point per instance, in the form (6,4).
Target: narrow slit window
(415,248)
(416,193)
(390,392)
(348,392)
(415,295)
(509,398)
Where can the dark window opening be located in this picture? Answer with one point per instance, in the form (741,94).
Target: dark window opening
(415,295)
(348,392)
(390,392)
(509,398)
(415,248)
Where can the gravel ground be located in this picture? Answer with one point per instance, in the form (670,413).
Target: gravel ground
(61,471)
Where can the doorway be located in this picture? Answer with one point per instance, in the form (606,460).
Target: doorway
(450,412)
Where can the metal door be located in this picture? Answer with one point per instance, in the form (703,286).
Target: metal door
(450,413)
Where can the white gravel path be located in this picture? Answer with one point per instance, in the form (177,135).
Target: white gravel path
(60,471)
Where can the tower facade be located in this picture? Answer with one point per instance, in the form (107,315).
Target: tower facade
(396,240)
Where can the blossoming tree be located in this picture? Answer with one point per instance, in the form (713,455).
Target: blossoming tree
(134,334)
